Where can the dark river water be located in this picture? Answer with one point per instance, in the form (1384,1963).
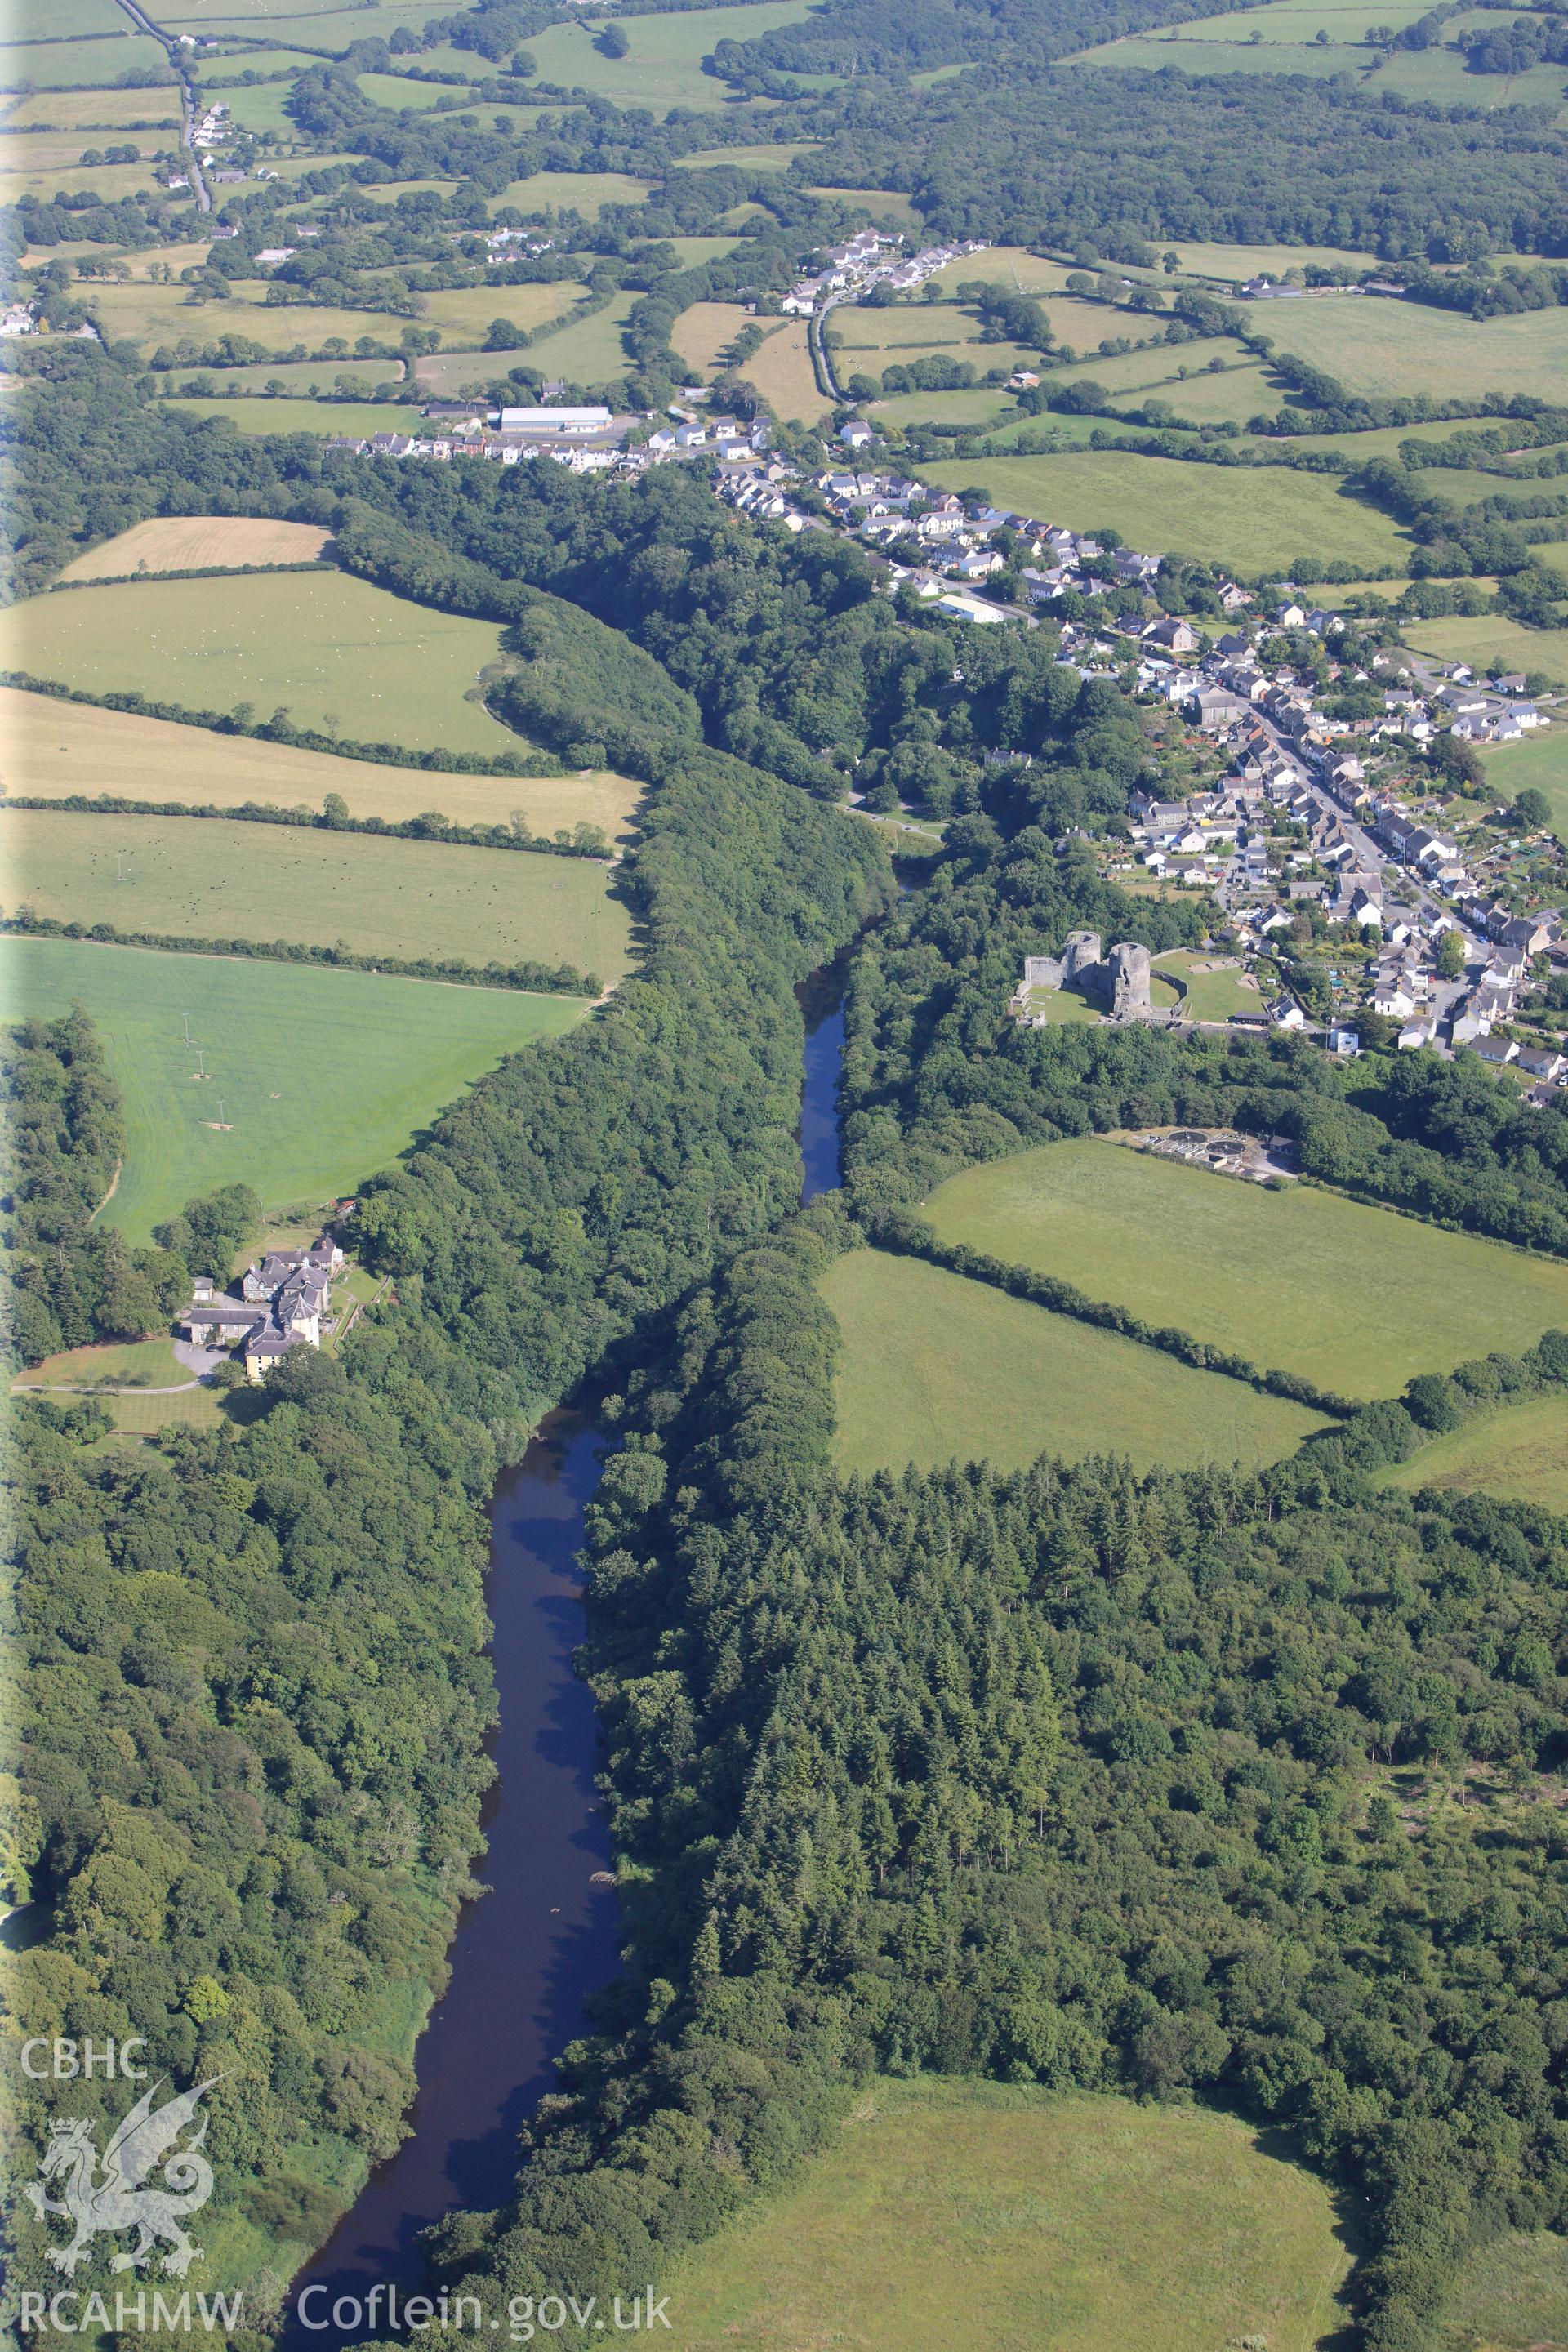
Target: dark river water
(528,1953)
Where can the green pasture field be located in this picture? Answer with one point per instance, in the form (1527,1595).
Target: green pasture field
(464,313)
(750,159)
(1208,995)
(1519,1452)
(219,878)
(402,94)
(591,350)
(1235,264)
(1230,396)
(1280,1277)
(981,406)
(1154,367)
(1379,344)
(79,64)
(296,376)
(663,67)
(1155,52)
(883,203)
(60,20)
(934,326)
(97,110)
(35,153)
(288,26)
(1491,643)
(1510,2295)
(108,181)
(1250,518)
(444,375)
(51,750)
(977,2215)
(261,106)
(695,250)
(781,372)
(337,652)
(356,418)
(151,315)
(150,1359)
(1436,77)
(563,192)
(934,1367)
(1294,21)
(216,73)
(1541,761)
(1013,265)
(325,1075)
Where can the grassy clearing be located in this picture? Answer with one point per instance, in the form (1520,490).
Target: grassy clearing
(885,204)
(663,67)
(1491,642)
(978,408)
(357,418)
(1154,52)
(1380,345)
(1510,2296)
(1519,1453)
(52,749)
(567,191)
(262,107)
(934,1367)
(1542,760)
(1357,1299)
(591,350)
(1437,77)
(976,2215)
(221,879)
(1155,366)
(402,95)
(325,1075)
(335,651)
(751,159)
(1230,396)
(1222,515)
(781,372)
(108,182)
(197,543)
(1013,265)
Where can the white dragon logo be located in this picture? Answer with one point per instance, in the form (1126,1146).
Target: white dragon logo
(119,2201)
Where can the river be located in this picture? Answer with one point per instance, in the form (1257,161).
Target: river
(527,1955)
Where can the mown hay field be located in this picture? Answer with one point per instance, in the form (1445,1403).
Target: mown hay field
(325,1076)
(588,351)
(934,1367)
(1358,1300)
(338,653)
(702,334)
(974,2215)
(52,749)
(223,878)
(781,372)
(198,543)
(1246,517)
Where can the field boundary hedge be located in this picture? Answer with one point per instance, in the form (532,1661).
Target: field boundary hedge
(910,1236)
(298,739)
(531,978)
(202,572)
(408,828)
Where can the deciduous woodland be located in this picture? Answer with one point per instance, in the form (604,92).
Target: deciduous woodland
(1203,1785)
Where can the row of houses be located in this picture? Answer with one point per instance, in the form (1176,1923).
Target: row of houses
(869,259)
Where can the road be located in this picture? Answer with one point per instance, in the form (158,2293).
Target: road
(170,41)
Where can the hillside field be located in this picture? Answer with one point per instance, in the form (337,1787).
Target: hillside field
(325,1076)
(1398,349)
(664,65)
(935,1367)
(199,543)
(1519,1452)
(1243,516)
(976,2216)
(782,372)
(217,878)
(1358,1299)
(50,750)
(1542,760)
(336,652)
